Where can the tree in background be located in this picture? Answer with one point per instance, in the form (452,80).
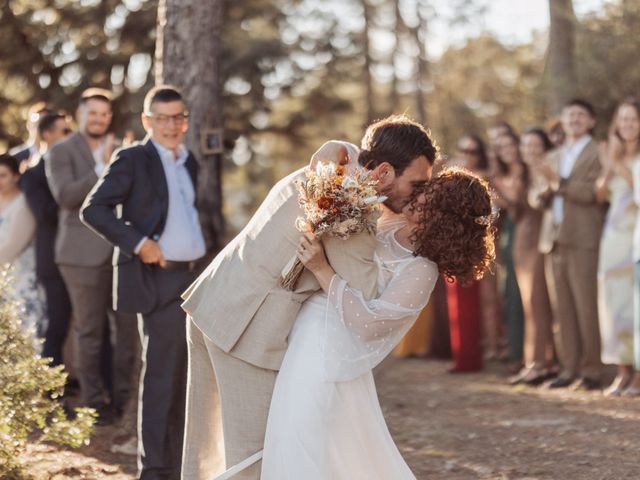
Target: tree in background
(188,55)
(53,50)
(560,77)
(294,73)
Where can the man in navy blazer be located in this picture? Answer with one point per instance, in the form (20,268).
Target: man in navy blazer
(145,205)
(52,128)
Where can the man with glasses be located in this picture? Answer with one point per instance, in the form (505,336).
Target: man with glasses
(159,243)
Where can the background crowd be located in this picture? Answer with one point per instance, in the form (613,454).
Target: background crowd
(560,305)
(62,270)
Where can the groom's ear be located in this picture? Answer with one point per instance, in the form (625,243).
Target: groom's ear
(384,173)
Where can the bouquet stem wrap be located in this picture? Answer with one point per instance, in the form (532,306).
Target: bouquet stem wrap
(290,279)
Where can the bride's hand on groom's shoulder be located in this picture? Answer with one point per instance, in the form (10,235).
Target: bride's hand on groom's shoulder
(330,152)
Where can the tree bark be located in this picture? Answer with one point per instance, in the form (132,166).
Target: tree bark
(368,80)
(394,96)
(560,76)
(188,51)
(421,65)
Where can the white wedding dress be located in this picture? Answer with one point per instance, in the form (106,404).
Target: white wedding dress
(325,421)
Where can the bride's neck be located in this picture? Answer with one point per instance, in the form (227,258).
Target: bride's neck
(403,236)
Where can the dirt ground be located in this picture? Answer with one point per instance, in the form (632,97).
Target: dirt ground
(453,427)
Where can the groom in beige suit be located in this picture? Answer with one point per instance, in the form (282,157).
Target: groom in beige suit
(570,237)
(240,318)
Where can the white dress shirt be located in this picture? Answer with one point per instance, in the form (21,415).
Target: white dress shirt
(182,239)
(570,154)
(98,157)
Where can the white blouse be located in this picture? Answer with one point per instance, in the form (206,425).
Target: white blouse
(17,229)
(368,330)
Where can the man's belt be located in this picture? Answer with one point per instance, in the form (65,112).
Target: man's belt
(182,266)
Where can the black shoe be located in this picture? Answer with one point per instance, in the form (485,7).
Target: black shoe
(560,382)
(71,388)
(105,417)
(539,379)
(588,384)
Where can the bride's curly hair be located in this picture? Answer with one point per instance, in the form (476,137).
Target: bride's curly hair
(456,224)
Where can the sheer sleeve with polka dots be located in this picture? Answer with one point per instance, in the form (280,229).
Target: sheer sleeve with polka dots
(367,330)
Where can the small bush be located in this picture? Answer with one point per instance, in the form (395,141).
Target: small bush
(28,391)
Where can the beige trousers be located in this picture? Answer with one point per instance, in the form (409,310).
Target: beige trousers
(227,407)
(573,292)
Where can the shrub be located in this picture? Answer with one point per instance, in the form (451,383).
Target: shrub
(29,389)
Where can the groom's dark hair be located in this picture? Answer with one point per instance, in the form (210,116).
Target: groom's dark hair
(397,140)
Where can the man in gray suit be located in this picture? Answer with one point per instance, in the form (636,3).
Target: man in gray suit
(74,167)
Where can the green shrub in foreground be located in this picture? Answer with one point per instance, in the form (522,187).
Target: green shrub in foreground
(28,388)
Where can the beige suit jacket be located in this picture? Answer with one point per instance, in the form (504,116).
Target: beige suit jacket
(583,216)
(71,174)
(237,301)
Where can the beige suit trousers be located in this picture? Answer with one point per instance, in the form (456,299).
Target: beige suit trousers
(573,292)
(227,408)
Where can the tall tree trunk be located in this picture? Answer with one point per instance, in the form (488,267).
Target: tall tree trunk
(560,77)
(421,64)
(188,52)
(368,80)
(394,96)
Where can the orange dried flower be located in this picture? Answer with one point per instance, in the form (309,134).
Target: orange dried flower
(340,170)
(325,203)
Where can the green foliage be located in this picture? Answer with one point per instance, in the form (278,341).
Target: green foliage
(607,46)
(293,72)
(51,50)
(29,389)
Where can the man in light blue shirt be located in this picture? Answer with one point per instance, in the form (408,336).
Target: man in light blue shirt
(145,204)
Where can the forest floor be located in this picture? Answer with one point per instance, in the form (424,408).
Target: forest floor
(449,426)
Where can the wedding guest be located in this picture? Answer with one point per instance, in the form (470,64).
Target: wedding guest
(495,131)
(158,249)
(472,155)
(25,152)
(570,235)
(17,228)
(73,166)
(615,264)
(633,389)
(529,265)
(418,339)
(440,337)
(509,182)
(465,329)
(52,128)
(555,132)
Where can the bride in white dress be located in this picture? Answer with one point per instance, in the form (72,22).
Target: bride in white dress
(325,421)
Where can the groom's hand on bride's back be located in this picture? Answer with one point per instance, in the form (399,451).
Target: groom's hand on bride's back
(330,152)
